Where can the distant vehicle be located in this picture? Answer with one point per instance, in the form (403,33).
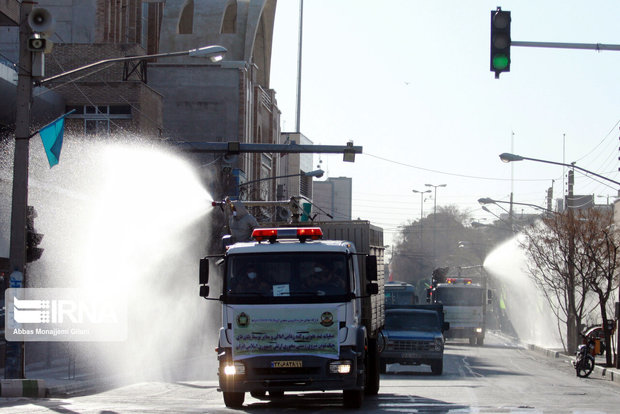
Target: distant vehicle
(464,302)
(414,336)
(400,293)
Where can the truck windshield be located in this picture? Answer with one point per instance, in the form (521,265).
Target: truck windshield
(411,321)
(286,277)
(459,296)
(404,295)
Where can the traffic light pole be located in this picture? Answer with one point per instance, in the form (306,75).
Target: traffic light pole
(14,367)
(555,45)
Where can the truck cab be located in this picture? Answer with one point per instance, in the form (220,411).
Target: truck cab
(294,308)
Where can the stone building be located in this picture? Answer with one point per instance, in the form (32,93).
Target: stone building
(229,101)
(178,99)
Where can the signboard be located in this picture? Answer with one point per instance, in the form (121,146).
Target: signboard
(285,330)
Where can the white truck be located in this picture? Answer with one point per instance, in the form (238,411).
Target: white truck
(464,300)
(300,313)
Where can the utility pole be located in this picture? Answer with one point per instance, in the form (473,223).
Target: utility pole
(573,329)
(15,350)
(435,222)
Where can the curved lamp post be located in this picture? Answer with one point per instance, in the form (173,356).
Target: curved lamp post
(507,157)
(487,200)
(316,173)
(435,221)
(214,53)
(421,201)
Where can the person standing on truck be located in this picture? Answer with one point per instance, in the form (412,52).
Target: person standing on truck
(241,222)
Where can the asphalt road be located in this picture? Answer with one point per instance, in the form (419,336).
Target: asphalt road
(500,377)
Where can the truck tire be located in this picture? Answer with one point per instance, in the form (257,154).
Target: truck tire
(352,398)
(234,399)
(258,394)
(372,369)
(472,340)
(480,341)
(437,367)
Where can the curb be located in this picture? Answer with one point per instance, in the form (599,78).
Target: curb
(547,352)
(610,374)
(11,388)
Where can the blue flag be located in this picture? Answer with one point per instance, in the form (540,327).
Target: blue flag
(51,136)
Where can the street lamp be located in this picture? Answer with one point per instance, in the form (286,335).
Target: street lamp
(507,157)
(487,200)
(213,53)
(316,173)
(435,221)
(421,202)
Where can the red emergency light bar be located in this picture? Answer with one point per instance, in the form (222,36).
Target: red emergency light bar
(301,233)
(456,280)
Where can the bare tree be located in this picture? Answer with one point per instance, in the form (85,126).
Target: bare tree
(553,256)
(597,240)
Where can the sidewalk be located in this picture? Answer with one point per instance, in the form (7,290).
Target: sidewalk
(610,374)
(59,381)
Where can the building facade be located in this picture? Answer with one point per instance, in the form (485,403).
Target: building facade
(333,197)
(177,99)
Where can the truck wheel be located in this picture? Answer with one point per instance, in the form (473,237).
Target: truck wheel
(382,367)
(472,340)
(352,398)
(480,341)
(437,367)
(372,369)
(234,399)
(276,394)
(258,394)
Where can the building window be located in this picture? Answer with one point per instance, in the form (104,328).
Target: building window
(97,119)
(186,20)
(144,27)
(229,24)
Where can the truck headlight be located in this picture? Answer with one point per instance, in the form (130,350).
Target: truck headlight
(478,330)
(340,367)
(438,344)
(236,368)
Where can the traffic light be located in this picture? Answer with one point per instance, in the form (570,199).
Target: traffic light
(500,41)
(33,239)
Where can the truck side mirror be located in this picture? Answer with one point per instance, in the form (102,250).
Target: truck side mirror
(445,327)
(371,267)
(372,288)
(204,291)
(203,273)
(489,297)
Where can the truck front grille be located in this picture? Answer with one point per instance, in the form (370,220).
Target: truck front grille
(413,346)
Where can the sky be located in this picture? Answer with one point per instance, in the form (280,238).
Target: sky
(409,81)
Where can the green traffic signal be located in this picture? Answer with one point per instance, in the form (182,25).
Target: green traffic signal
(500,41)
(500,62)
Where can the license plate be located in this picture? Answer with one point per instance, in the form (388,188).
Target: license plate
(286,364)
(408,355)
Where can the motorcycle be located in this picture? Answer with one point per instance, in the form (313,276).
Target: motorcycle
(584,361)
